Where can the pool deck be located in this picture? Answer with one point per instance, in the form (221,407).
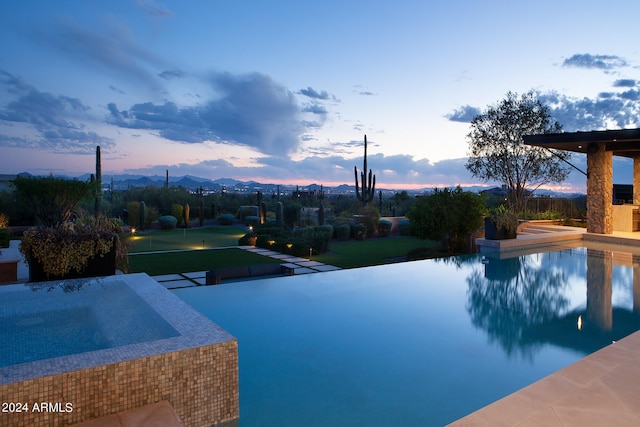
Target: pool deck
(602,389)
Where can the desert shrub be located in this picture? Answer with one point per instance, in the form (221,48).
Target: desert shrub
(4,220)
(176,212)
(248,239)
(404,227)
(342,231)
(369,217)
(246,211)
(226,219)
(321,238)
(448,215)
(5,237)
(168,222)
(133,210)
(384,227)
(358,231)
(251,220)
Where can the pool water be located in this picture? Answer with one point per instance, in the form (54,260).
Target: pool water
(420,343)
(53,319)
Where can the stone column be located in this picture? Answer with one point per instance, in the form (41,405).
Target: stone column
(636,180)
(599,189)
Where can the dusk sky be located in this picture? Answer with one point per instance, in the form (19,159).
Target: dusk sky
(284,91)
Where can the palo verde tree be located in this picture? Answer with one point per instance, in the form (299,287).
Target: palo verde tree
(497,151)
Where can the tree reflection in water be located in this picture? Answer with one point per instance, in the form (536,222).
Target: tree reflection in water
(512,295)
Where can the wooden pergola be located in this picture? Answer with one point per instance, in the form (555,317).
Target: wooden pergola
(600,147)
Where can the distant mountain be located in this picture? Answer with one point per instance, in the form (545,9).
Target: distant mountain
(193,183)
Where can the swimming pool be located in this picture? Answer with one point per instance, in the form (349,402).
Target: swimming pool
(420,343)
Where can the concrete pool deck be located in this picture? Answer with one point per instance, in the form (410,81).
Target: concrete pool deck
(602,389)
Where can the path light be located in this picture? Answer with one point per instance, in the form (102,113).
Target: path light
(484,260)
(310,250)
(133,231)
(203,244)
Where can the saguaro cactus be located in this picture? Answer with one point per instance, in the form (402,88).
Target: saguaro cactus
(321,214)
(366,193)
(201,210)
(143,215)
(186,211)
(98,199)
(279,215)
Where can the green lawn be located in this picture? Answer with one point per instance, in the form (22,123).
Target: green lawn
(188,261)
(362,253)
(347,254)
(193,238)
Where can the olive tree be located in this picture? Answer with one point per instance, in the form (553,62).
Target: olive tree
(447,215)
(497,151)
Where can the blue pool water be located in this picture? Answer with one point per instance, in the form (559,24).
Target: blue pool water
(420,343)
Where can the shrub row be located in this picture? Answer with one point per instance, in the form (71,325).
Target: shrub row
(295,243)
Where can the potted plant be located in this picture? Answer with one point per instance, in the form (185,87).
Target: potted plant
(84,248)
(500,225)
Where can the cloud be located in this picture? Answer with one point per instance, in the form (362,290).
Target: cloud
(610,110)
(171,74)
(153,8)
(312,93)
(463,114)
(57,120)
(600,62)
(111,50)
(250,110)
(625,83)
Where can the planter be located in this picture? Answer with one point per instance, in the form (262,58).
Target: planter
(96,266)
(492,232)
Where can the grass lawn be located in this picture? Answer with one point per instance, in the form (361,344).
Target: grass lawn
(362,253)
(188,261)
(192,238)
(347,254)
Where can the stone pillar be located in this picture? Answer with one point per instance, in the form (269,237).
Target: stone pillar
(636,180)
(599,189)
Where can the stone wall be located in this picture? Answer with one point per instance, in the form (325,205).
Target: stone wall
(201,384)
(599,189)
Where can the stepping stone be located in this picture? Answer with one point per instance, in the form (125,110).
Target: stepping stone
(195,275)
(309,263)
(167,277)
(176,284)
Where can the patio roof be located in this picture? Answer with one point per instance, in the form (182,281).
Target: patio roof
(625,142)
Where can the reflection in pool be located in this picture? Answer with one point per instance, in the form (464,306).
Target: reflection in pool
(420,343)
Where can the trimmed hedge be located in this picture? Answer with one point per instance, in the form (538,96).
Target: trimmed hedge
(384,228)
(358,231)
(343,231)
(404,226)
(226,219)
(168,222)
